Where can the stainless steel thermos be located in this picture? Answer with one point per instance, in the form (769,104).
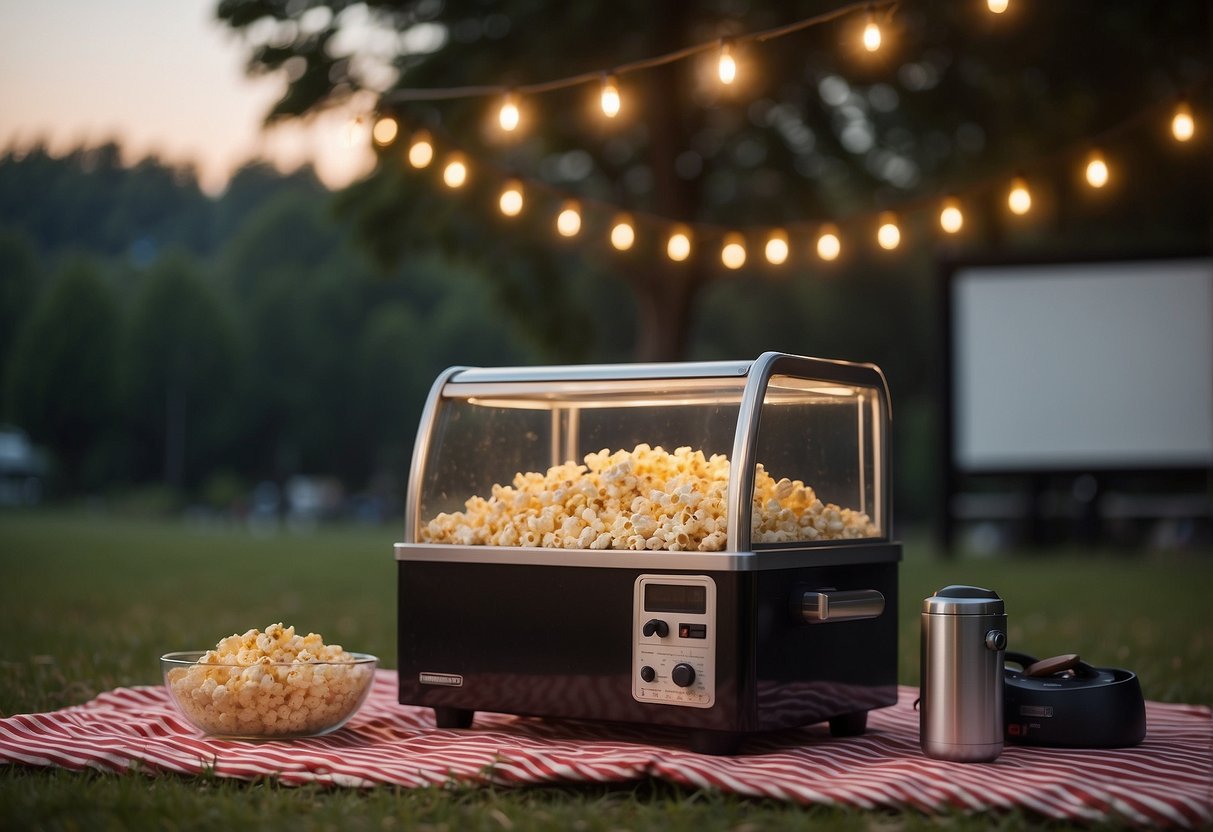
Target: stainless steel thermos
(964,636)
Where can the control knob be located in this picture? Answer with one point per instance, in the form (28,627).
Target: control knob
(683,675)
(655,625)
(647,673)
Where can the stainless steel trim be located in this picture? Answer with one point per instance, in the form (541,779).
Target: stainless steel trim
(834,555)
(602,372)
(554,444)
(741,460)
(412,501)
(572,434)
(841,605)
(860,400)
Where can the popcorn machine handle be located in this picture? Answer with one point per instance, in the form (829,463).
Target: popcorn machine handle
(828,606)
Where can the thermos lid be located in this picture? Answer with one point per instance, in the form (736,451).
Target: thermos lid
(958,599)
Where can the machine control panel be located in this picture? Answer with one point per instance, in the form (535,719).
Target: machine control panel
(674,640)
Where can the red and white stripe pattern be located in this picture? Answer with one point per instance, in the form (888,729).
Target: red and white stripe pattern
(1166,781)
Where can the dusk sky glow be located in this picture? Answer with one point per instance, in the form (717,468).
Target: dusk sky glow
(161,78)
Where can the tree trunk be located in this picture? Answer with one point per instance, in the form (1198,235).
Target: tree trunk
(663,310)
(665,294)
(174,436)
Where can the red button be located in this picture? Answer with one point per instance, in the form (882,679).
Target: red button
(684,631)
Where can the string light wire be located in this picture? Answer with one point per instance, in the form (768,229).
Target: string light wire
(707,230)
(680,230)
(593,77)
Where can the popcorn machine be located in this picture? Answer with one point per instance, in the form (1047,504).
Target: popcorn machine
(698,545)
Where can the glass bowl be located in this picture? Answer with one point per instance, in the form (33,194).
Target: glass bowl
(267,701)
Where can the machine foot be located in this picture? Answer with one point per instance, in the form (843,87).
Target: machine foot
(453,717)
(849,725)
(716,743)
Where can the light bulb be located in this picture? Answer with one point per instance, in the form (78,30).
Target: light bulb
(623,235)
(888,235)
(421,151)
(829,246)
(509,116)
(1097,170)
(997,6)
(455,174)
(950,218)
(732,253)
(1183,126)
(568,222)
(871,35)
(727,67)
(1019,200)
(610,96)
(385,130)
(511,198)
(679,245)
(777,247)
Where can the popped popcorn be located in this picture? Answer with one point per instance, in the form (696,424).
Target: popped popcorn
(273,683)
(643,499)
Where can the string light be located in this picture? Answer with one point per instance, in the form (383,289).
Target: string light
(1183,126)
(777,247)
(1097,170)
(1019,200)
(421,150)
(950,218)
(829,246)
(871,34)
(509,116)
(644,63)
(732,253)
(511,198)
(727,66)
(568,222)
(610,96)
(385,131)
(623,234)
(678,247)
(455,174)
(888,235)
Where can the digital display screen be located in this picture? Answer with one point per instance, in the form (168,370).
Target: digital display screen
(676,598)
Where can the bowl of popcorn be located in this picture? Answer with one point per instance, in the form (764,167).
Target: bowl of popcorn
(268,685)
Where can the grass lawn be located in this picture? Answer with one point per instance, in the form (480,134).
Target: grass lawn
(89,602)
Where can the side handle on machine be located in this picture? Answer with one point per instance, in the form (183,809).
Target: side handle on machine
(827,606)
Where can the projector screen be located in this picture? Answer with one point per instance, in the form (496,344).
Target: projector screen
(1082,366)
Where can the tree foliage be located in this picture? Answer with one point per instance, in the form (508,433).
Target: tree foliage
(183,367)
(282,350)
(63,380)
(90,201)
(815,130)
(19,273)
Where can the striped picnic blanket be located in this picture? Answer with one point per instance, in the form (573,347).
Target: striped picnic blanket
(1166,781)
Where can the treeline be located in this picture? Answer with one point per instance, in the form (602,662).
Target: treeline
(154,336)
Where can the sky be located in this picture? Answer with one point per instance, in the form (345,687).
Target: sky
(158,76)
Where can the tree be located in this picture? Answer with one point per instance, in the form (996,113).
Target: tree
(64,369)
(87,200)
(182,365)
(816,130)
(19,285)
